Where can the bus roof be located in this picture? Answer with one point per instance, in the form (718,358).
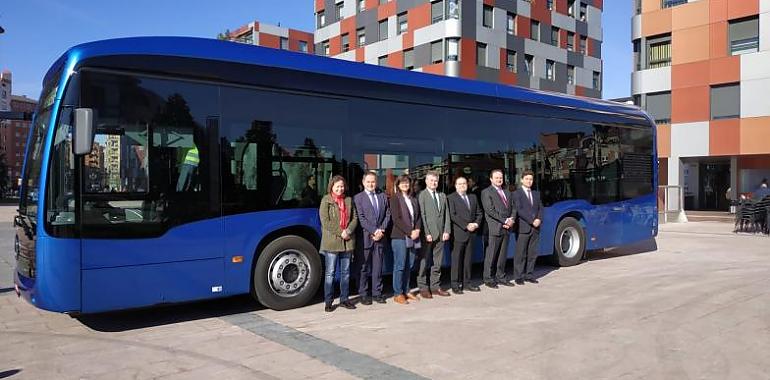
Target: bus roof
(212,49)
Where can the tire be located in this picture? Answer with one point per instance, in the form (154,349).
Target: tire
(287,273)
(569,243)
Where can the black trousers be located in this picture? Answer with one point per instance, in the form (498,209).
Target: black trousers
(496,255)
(462,253)
(526,254)
(371,265)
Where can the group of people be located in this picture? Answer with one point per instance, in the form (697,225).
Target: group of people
(417,226)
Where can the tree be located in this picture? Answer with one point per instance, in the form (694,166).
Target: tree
(4,179)
(224,36)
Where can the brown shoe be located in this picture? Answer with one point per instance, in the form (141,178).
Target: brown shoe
(441,292)
(411,297)
(401,299)
(425,294)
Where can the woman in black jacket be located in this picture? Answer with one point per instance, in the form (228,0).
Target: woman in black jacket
(404,237)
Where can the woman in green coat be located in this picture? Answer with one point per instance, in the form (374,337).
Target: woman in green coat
(338,241)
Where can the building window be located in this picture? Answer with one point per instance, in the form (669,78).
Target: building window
(510,23)
(436,52)
(361,5)
(726,101)
(554,36)
(436,11)
(744,36)
(345,42)
(303,46)
(486,19)
(571,8)
(583,43)
(570,41)
(481,54)
(672,3)
(571,74)
(549,5)
(321,19)
(284,43)
(409,59)
(597,81)
(528,64)
(583,11)
(550,70)
(659,107)
(361,37)
(510,61)
(659,51)
(382,61)
(403,24)
(638,6)
(637,54)
(326,48)
(453,9)
(452,49)
(383,30)
(535,30)
(338,10)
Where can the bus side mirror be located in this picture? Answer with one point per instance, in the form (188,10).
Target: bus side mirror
(84,131)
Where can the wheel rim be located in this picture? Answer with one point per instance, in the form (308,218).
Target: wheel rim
(289,273)
(569,242)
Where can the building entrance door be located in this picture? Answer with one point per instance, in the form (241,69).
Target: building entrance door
(714,180)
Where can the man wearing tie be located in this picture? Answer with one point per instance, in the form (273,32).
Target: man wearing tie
(436,230)
(465,214)
(500,214)
(530,215)
(374,219)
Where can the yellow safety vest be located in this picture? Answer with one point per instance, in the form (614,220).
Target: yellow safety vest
(192,157)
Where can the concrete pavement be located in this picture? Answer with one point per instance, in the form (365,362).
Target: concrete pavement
(698,306)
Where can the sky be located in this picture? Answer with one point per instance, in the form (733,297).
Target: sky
(39,31)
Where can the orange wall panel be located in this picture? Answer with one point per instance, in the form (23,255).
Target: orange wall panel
(754,162)
(436,68)
(742,8)
(717,10)
(563,39)
(724,137)
(539,12)
(335,45)
(489,2)
(386,10)
(371,4)
(468,58)
(523,27)
(418,17)
(348,25)
(599,4)
(690,45)
(657,22)
(725,70)
(269,40)
(690,15)
(396,60)
(408,40)
(650,5)
(506,76)
(690,104)
(690,74)
(361,54)
(718,32)
(755,134)
(664,140)
(561,6)
(319,5)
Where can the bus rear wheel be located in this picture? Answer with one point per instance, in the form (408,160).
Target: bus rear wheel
(569,243)
(287,273)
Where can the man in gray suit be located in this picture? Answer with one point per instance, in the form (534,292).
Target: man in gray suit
(499,212)
(436,227)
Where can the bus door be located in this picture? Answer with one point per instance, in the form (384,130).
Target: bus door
(150,211)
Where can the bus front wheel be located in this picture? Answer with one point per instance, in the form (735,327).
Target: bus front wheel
(569,242)
(287,273)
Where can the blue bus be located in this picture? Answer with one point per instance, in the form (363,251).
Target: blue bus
(163,170)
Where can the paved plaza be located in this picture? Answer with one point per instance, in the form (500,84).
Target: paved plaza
(693,304)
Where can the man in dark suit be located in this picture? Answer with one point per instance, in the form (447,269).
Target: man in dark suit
(465,214)
(529,211)
(374,219)
(436,229)
(500,213)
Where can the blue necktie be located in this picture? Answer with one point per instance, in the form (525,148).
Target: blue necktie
(374,203)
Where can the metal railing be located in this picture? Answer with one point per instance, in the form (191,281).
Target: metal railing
(671,204)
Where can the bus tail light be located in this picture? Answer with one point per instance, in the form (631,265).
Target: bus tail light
(237,259)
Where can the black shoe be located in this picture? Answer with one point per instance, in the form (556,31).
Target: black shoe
(519,282)
(505,283)
(328,308)
(473,288)
(457,290)
(532,280)
(491,285)
(366,301)
(379,299)
(348,305)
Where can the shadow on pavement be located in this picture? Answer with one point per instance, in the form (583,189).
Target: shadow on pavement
(649,245)
(9,373)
